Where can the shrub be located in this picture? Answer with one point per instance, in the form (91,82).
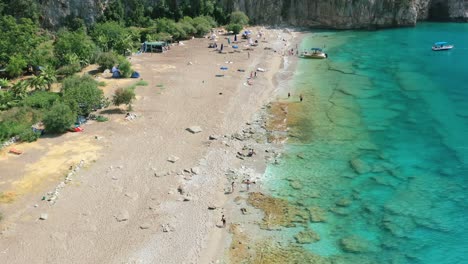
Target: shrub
(40,99)
(106,60)
(202,25)
(240,18)
(101,118)
(16,65)
(125,68)
(141,83)
(59,118)
(16,121)
(4,83)
(236,28)
(29,135)
(82,94)
(123,96)
(77,43)
(69,70)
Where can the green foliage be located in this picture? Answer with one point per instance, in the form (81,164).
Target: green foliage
(236,28)
(101,118)
(20,89)
(141,83)
(69,70)
(123,96)
(17,121)
(41,100)
(29,135)
(73,47)
(125,68)
(240,18)
(22,9)
(106,35)
(4,83)
(202,25)
(7,100)
(19,38)
(107,60)
(59,118)
(16,66)
(44,55)
(82,94)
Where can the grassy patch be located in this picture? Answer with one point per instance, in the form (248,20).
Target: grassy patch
(102,84)
(101,118)
(141,83)
(7,197)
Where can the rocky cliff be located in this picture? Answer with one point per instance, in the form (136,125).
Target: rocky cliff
(345,14)
(342,14)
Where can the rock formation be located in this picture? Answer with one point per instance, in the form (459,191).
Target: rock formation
(341,14)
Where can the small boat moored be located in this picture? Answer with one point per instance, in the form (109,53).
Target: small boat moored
(316,53)
(442,45)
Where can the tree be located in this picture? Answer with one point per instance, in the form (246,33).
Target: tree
(59,118)
(45,79)
(123,96)
(16,66)
(235,28)
(73,44)
(82,94)
(238,17)
(107,60)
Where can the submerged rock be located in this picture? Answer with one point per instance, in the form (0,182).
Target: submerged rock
(317,214)
(360,166)
(355,244)
(307,237)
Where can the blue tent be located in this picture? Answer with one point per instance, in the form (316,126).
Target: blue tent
(116,74)
(135,75)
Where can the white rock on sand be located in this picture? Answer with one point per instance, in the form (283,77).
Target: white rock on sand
(194,129)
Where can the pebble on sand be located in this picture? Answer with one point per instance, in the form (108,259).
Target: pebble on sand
(173,159)
(122,216)
(194,129)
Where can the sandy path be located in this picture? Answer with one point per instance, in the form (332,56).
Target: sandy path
(82,225)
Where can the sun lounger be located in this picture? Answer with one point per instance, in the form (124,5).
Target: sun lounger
(15,151)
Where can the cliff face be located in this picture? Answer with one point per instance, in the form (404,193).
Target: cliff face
(345,14)
(55,11)
(342,14)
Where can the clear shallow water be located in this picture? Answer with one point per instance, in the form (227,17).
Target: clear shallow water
(380,144)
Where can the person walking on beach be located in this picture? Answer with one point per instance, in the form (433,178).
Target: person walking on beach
(255,74)
(301,97)
(223,220)
(289,94)
(232,187)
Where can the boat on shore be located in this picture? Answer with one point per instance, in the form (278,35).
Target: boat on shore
(315,53)
(442,45)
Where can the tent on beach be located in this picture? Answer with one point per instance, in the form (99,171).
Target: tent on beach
(155,46)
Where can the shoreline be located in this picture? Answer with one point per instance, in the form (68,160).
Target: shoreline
(120,205)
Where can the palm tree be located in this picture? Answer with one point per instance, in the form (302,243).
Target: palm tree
(20,89)
(50,76)
(38,82)
(4,83)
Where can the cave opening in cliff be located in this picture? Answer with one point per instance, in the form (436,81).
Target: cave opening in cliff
(439,11)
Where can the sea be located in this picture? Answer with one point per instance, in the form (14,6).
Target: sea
(379,145)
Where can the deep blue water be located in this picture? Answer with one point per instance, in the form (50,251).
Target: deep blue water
(382,137)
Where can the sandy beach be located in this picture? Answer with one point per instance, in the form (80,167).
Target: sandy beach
(123,200)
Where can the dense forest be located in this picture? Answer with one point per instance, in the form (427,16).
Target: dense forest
(33,58)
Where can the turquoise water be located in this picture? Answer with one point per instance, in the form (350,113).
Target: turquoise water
(380,146)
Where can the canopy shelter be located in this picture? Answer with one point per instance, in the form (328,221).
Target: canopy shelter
(316,49)
(440,43)
(155,46)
